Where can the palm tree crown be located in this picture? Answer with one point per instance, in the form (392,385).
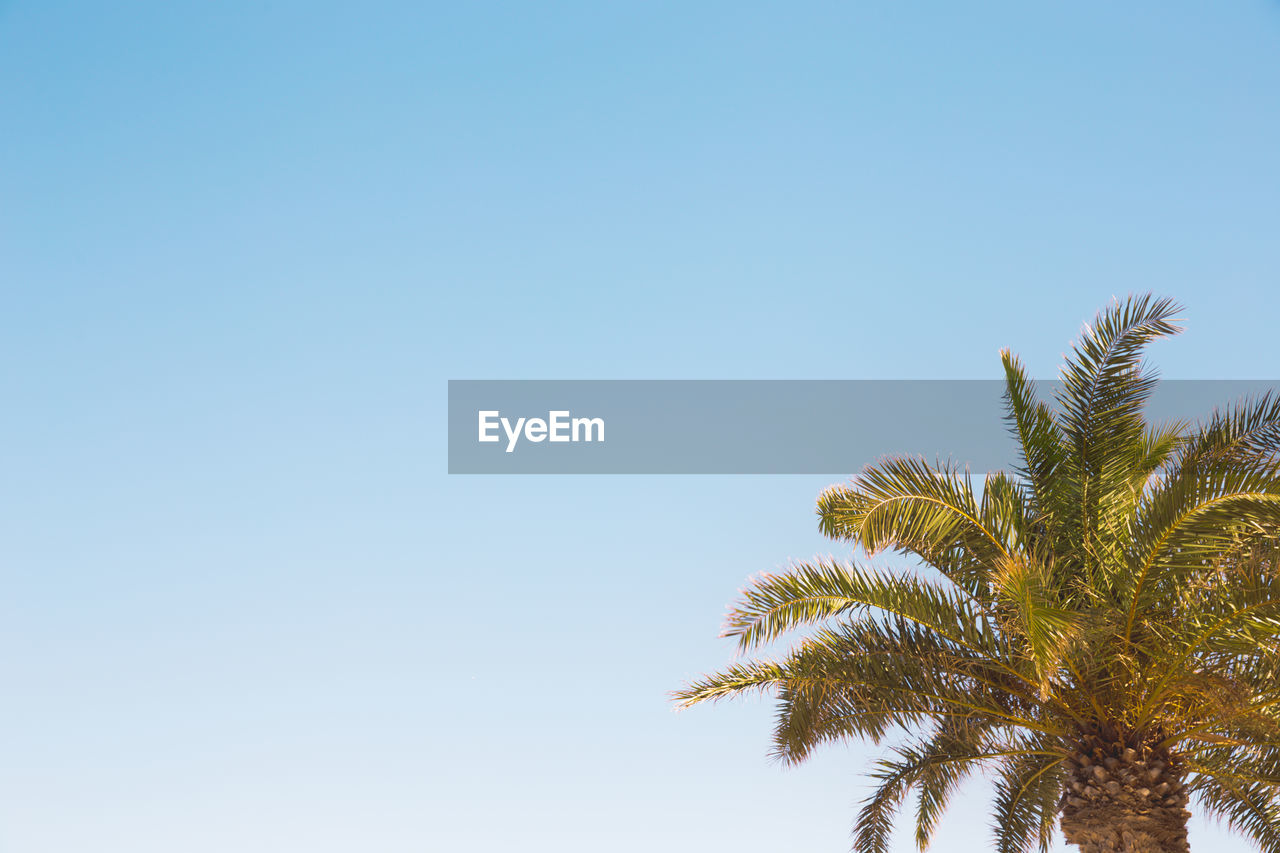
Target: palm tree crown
(1097,629)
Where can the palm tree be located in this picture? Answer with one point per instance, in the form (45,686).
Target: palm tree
(1098,630)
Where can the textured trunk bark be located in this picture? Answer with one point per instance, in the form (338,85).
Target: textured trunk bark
(1121,799)
(1108,828)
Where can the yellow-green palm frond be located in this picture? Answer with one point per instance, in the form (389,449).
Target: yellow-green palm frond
(1250,808)
(813,592)
(1034,615)
(1190,523)
(1028,787)
(1107,612)
(1104,389)
(933,765)
(910,506)
(736,680)
(1042,448)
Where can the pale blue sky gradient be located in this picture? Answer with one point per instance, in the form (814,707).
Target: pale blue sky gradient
(243,246)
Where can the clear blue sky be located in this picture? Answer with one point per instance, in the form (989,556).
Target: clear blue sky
(244,245)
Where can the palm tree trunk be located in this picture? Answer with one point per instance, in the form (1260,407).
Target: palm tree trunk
(1115,828)
(1124,800)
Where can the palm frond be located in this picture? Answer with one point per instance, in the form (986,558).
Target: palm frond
(936,765)
(809,593)
(913,507)
(1106,613)
(1046,628)
(1041,444)
(1028,787)
(739,679)
(1248,807)
(1104,390)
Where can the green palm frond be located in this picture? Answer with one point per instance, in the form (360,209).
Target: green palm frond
(935,765)
(969,745)
(739,679)
(910,506)
(1249,808)
(1104,622)
(1042,449)
(1247,432)
(1190,525)
(1104,385)
(874,826)
(1025,593)
(1028,787)
(1160,443)
(813,592)
(1104,391)
(1256,765)
(1004,511)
